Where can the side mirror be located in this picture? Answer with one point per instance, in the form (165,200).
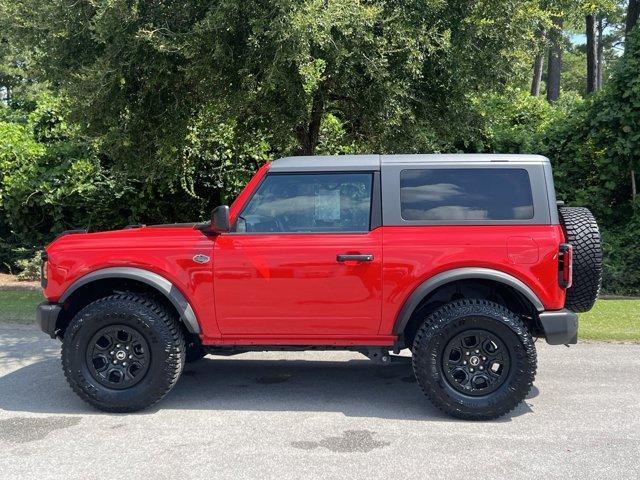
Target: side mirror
(220,219)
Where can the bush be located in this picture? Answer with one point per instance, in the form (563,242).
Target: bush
(30,267)
(514,121)
(622,257)
(53,180)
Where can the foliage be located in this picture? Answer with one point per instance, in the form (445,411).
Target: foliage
(392,73)
(53,180)
(30,267)
(599,155)
(593,144)
(622,257)
(598,144)
(219,157)
(515,121)
(132,111)
(48,179)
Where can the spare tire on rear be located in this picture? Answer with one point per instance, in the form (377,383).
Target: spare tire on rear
(582,233)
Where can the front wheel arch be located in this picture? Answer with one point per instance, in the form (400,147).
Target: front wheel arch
(104,282)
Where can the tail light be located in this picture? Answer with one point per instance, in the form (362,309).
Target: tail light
(565,265)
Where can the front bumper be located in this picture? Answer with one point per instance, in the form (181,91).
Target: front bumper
(47,316)
(560,326)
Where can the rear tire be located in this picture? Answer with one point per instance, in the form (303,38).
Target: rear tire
(459,338)
(583,234)
(123,353)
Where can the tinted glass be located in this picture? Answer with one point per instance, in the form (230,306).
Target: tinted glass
(467,194)
(309,203)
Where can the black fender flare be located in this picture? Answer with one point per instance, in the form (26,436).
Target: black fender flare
(160,283)
(429,285)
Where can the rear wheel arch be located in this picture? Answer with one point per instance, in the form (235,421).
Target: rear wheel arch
(478,283)
(104,282)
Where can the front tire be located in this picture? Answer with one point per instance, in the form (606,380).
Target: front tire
(123,353)
(474,359)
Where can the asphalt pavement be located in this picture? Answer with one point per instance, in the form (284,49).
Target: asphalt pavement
(318,415)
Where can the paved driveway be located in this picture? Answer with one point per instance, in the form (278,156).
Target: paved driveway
(318,415)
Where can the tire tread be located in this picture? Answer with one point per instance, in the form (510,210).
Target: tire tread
(433,325)
(582,232)
(169,330)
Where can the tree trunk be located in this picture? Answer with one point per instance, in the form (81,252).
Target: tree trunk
(633,10)
(308,134)
(592,54)
(538,66)
(555,60)
(600,55)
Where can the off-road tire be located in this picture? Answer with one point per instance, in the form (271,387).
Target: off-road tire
(583,234)
(157,326)
(451,320)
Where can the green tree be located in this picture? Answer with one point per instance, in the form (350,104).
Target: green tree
(396,74)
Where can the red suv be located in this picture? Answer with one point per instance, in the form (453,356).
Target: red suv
(462,259)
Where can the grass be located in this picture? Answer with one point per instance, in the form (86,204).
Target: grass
(19,306)
(610,320)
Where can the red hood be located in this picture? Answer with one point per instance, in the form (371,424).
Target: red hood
(131,237)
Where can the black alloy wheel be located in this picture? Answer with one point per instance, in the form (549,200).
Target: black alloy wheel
(475,362)
(118,356)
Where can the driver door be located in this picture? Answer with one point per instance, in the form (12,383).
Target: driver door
(304,259)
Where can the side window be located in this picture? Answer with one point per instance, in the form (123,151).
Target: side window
(313,203)
(450,194)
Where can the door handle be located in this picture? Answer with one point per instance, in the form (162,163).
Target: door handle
(364,257)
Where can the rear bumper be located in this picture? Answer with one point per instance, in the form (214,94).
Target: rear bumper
(47,316)
(560,326)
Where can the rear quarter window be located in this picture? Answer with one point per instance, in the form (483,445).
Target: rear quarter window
(468,194)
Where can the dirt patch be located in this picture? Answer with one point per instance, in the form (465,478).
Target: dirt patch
(11,282)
